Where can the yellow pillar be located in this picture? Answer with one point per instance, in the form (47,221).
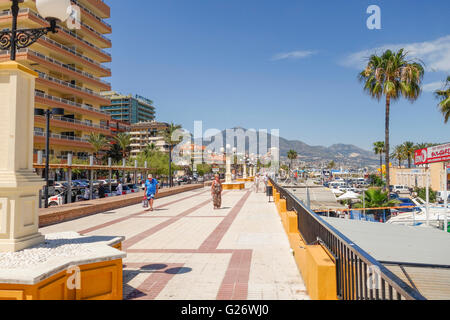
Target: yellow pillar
(19,185)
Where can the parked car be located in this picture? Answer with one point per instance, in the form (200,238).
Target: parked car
(399,189)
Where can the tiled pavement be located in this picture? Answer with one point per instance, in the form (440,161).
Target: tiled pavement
(186,250)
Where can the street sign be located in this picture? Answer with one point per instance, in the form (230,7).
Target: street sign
(433,154)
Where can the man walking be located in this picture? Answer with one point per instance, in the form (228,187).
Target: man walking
(151,190)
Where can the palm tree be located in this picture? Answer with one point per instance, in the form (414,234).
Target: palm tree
(149,150)
(98,143)
(171,140)
(378,148)
(292,155)
(399,154)
(376,198)
(409,149)
(124,141)
(444,96)
(391,75)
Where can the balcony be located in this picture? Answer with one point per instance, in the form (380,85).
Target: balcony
(70,105)
(83,59)
(59,66)
(69,88)
(64,32)
(103,24)
(74,124)
(60,140)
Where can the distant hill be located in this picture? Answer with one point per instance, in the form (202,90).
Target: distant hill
(342,153)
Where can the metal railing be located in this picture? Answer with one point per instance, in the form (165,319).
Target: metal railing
(61,137)
(358,275)
(68,84)
(80,122)
(68,102)
(63,65)
(62,28)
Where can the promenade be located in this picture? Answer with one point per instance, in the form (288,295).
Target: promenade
(186,250)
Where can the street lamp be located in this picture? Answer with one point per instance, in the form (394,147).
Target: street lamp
(47,113)
(52,10)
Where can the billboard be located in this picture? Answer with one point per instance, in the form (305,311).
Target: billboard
(433,154)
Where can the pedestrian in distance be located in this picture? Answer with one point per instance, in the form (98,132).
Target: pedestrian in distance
(119,190)
(216,192)
(256,183)
(151,190)
(101,191)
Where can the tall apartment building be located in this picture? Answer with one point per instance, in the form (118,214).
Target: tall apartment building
(131,108)
(70,68)
(146,133)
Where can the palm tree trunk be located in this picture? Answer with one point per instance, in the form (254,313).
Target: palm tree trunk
(409,161)
(381,165)
(388,107)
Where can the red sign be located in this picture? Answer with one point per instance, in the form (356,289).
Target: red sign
(433,154)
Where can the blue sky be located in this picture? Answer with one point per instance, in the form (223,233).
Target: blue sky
(287,64)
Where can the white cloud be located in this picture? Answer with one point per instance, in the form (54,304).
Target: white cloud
(293,55)
(435,54)
(433,86)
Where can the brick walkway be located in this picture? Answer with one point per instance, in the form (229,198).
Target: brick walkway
(186,250)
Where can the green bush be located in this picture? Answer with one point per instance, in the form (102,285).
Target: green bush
(422,193)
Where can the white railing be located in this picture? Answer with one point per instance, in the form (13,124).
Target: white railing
(68,102)
(80,122)
(67,84)
(63,65)
(62,28)
(59,136)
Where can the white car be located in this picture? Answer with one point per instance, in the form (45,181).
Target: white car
(399,189)
(56,200)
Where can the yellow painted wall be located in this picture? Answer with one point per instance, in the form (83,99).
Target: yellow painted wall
(99,281)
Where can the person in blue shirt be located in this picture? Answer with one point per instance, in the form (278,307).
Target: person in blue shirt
(151,190)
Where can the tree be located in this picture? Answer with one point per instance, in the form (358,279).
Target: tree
(391,75)
(399,154)
(409,148)
(444,96)
(331,165)
(171,139)
(149,149)
(378,148)
(124,141)
(292,155)
(98,143)
(376,198)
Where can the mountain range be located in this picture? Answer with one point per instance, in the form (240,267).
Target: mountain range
(344,154)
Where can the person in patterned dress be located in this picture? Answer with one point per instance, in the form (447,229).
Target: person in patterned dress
(216,192)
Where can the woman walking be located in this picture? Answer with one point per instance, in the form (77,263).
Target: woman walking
(216,192)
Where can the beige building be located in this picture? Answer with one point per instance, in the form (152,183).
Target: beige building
(146,133)
(416,177)
(71,67)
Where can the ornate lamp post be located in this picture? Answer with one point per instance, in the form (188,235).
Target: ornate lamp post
(52,10)
(48,113)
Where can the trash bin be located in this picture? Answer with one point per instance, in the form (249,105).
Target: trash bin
(269,191)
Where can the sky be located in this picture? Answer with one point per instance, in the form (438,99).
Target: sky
(288,64)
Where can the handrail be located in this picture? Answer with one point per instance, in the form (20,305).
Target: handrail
(67,84)
(63,65)
(62,28)
(61,137)
(353,263)
(76,121)
(72,103)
